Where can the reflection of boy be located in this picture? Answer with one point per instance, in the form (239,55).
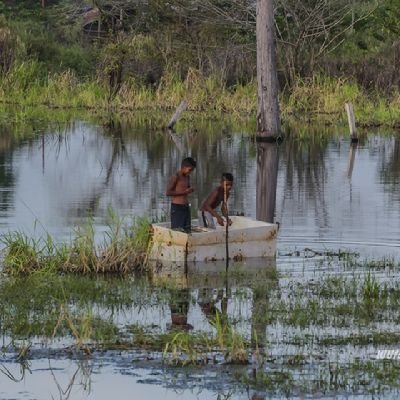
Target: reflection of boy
(178,189)
(179,306)
(208,305)
(214,199)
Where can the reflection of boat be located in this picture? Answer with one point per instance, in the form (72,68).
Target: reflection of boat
(213,274)
(247,238)
(208,290)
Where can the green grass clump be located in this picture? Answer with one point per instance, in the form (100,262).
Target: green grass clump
(123,250)
(185,348)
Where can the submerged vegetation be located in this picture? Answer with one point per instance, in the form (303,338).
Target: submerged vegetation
(334,322)
(123,250)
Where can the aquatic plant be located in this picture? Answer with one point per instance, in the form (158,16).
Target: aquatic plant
(57,305)
(371,290)
(186,349)
(230,342)
(85,328)
(194,348)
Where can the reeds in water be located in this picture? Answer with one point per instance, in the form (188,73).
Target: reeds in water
(123,250)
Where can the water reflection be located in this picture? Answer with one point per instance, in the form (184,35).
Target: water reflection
(55,317)
(179,306)
(267,177)
(79,380)
(326,196)
(54,180)
(7,174)
(389,169)
(53,307)
(352,156)
(208,300)
(311,328)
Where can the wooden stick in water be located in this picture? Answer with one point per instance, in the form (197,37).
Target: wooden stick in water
(352,121)
(226,226)
(180,109)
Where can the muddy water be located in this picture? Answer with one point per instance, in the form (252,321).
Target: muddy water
(311,311)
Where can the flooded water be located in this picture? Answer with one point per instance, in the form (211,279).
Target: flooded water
(54,179)
(320,313)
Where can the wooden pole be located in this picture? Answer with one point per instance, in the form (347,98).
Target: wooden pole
(180,109)
(178,140)
(352,121)
(226,226)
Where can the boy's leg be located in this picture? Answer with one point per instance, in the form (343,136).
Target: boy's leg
(206,220)
(202,220)
(210,220)
(188,220)
(180,217)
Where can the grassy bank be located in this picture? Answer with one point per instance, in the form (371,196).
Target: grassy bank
(122,251)
(316,99)
(320,98)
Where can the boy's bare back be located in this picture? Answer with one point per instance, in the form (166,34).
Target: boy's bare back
(218,195)
(213,200)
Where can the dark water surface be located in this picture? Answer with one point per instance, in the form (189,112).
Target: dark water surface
(321,317)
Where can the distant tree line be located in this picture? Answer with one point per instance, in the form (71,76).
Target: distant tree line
(143,40)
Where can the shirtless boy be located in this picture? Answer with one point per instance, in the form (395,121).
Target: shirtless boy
(214,199)
(178,189)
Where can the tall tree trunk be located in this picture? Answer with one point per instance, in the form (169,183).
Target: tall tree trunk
(268,119)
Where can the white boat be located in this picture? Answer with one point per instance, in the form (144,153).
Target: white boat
(247,238)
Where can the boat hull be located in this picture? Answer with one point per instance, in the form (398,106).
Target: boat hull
(247,238)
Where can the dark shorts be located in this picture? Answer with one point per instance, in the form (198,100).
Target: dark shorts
(180,217)
(206,220)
